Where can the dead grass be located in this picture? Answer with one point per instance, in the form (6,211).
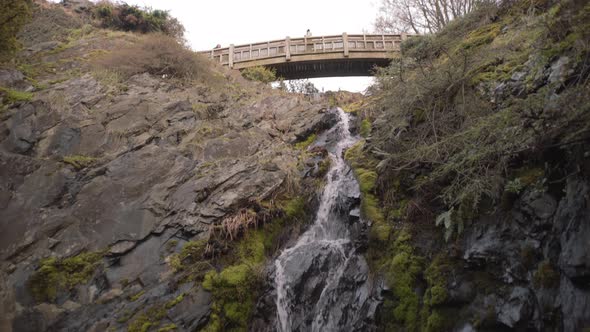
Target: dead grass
(156,54)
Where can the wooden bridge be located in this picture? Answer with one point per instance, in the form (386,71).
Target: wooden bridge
(311,57)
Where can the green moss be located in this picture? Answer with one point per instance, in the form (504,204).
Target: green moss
(438,321)
(13,96)
(366,179)
(306,143)
(145,321)
(234,292)
(324,166)
(136,296)
(78,161)
(481,36)
(170,304)
(365,129)
(56,274)
(546,276)
(295,208)
(402,273)
(168,328)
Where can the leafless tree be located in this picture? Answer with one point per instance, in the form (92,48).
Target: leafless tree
(420,16)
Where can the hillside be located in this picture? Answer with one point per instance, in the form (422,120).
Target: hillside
(476,173)
(129,167)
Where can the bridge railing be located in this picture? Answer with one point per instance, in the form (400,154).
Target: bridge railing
(307,45)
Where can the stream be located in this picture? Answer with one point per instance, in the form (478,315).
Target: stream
(322,281)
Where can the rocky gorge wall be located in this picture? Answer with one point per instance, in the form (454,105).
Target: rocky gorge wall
(475,165)
(124,199)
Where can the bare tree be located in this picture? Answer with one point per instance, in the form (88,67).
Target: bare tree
(420,16)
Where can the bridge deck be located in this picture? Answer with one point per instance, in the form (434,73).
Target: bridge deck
(337,55)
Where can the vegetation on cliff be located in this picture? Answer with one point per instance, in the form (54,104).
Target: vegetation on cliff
(466,120)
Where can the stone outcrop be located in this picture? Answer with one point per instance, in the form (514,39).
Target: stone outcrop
(83,169)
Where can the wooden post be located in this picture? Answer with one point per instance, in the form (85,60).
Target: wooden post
(287,48)
(404,36)
(364,41)
(250,57)
(323,44)
(383,40)
(345,43)
(231,55)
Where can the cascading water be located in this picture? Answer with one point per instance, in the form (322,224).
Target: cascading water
(321,282)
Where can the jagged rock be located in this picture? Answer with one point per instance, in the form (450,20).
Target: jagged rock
(14,79)
(519,307)
(192,312)
(560,70)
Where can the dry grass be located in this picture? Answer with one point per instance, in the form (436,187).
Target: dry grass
(156,54)
(232,226)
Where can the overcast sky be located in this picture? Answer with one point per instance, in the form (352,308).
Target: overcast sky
(212,22)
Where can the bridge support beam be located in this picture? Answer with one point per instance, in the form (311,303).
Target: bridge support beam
(231,56)
(345,43)
(288,48)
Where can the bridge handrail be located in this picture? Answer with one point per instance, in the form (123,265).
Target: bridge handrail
(306,45)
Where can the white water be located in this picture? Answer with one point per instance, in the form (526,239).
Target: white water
(328,235)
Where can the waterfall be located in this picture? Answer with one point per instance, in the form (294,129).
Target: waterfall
(321,282)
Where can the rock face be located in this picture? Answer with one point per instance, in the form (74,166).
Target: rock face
(86,170)
(537,261)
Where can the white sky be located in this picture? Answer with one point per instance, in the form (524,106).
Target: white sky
(212,22)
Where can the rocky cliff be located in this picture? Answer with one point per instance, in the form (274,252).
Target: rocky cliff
(120,190)
(476,169)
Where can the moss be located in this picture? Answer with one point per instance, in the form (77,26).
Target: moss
(324,167)
(365,129)
(168,328)
(402,273)
(124,316)
(306,143)
(150,318)
(366,179)
(234,292)
(13,96)
(295,208)
(136,296)
(439,321)
(56,274)
(170,304)
(78,161)
(528,176)
(546,276)
(171,245)
(481,36)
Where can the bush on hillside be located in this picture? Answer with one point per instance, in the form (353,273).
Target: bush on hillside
(260,74)
(121,16)
(13,16)
(156,54)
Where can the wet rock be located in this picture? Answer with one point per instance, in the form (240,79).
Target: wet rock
(192,312)
(519,307)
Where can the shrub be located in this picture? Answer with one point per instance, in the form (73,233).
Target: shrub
(156,54)
(13,16)
(133,18)
(260,74)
